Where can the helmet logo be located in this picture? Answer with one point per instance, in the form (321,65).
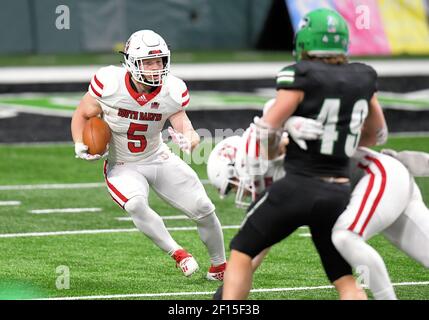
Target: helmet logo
(155,51)
(332,24)
(303,23)
(229,152)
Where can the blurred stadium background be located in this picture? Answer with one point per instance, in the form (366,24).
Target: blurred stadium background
(228,52)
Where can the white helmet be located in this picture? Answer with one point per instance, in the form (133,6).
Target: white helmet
(224,170)
(142,45)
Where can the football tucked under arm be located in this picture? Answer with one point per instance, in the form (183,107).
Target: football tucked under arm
(81,152)
(88,108)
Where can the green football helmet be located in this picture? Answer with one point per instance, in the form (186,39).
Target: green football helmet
(322,32)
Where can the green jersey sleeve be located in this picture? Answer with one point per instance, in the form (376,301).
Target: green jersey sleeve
(292,78)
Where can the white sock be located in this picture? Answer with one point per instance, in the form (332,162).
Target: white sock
(362,256)
(386,294)
(211,235)
(151,224)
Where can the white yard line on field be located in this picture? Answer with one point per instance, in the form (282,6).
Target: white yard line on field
(64,210)
(173,294)
(10,203)
(64,233)
(96,231)
(54,186)
(163,218)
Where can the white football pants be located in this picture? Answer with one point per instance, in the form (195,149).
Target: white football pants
(386,200)
(175,182)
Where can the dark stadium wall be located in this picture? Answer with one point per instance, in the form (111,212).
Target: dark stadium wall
(29,26)
(277,33)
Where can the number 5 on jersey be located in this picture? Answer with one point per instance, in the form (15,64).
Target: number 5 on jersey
(139,143)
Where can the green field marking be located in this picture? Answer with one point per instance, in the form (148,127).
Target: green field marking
(420,103)
(201,100)
(210,99)
(11,289)
(37,103)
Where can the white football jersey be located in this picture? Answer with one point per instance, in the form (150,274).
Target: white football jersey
(135,119)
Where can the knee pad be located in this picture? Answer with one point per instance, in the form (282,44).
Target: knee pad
(340,238)
(202,207)
(137,205)
(210,220)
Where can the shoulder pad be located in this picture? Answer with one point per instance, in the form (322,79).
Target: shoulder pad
(178,91)
(105,82)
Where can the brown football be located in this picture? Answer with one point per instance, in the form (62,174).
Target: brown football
(96,135)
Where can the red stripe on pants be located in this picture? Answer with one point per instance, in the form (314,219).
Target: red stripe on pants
(380,192)
(112,188)
(365,198)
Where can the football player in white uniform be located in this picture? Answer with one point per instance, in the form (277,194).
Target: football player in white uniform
(226,167)
(387,200)
(225,170)
(136,100)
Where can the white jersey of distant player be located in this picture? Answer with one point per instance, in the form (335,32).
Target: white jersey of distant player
(136,120)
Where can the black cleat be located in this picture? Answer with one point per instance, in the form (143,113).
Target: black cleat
(218,294)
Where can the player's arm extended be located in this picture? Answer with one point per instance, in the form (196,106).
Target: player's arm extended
(285,105)
(88,108)
(181,123)
(374,130)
